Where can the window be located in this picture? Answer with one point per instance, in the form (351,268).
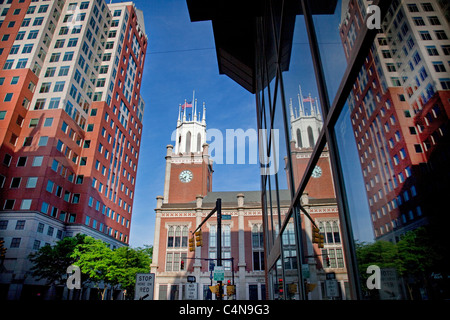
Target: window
(8,64)
(55,57)
(50,185)
(76,198)
(72,42)
(68,56)
(37,161)
(20,224)
(26,204)
(59,86)
(434,21)
(439,66)
(48,122)
(441,35)
(425,35)
(427,7)
(15,243)
(63,71)
(258,247)
(43,141)
(8,97)
(432,51)
(31,182)
(418,21)
(14,49)
(27,141)
(15,182)
(413,8)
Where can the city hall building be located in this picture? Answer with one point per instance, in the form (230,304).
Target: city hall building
(188,199)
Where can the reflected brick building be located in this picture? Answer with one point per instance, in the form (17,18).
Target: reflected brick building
(399,111)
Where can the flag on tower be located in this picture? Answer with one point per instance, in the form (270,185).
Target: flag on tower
(186,105)
(309,99)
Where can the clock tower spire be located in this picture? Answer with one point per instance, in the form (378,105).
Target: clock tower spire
(306,124)
(188,165)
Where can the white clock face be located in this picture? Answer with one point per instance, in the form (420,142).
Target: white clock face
(186,176)
(317,172)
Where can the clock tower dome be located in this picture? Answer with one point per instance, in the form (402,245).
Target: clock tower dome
(306,124)
(188,165)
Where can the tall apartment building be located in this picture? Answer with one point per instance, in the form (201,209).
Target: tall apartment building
(70,125)
(399,112)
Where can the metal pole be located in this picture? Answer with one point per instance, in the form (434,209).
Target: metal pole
(219,241)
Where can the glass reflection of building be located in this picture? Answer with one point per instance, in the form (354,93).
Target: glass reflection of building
(267,49)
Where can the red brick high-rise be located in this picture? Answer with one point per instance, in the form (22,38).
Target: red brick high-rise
(70,125)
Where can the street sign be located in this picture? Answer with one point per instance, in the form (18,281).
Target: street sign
(332,288)
(219,273)
(191,291)
(226,217)
(331,276)
(305,271)
(145,283)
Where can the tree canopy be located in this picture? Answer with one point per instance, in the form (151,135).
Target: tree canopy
(99,264)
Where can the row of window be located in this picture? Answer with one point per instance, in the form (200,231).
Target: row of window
(90,222)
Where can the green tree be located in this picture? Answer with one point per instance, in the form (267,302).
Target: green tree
(94,257)
(380,253)
(418,256)
(51,262)
(126,263)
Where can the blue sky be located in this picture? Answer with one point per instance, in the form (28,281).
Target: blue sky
(181,57)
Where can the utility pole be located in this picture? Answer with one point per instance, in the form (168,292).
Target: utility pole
(218,210)
(219,241)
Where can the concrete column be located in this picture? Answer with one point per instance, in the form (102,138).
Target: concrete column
(242,287)
(167,174)
(154,264)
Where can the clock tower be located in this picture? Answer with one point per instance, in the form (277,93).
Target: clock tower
(188,165)
(306,124)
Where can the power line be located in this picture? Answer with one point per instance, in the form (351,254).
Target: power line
(212,48)
(181,50)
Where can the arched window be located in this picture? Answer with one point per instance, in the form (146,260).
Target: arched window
(188,142)
(177,237)
(212,236)
(329,233)
(184,237)
(170,235)
(226,236)
(299,139)
(199,142)
(337,237)
(310,137)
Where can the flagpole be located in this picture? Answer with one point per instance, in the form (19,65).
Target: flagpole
(301,98)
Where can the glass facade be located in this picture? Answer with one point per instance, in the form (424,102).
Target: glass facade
(352,108)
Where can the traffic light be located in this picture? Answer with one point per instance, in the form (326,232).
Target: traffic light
(198,238)
(230,288)
(315,234)
(2,249)
(317,237)
(321,240)
(191,244)
(182,265)
(327,259)
(280,285)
